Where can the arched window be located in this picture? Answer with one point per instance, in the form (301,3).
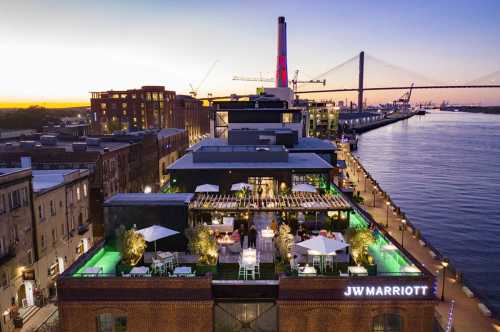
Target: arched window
(387,323)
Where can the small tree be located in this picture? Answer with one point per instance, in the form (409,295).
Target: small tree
(133,246)
(202,243)
(360,239)
(284,242)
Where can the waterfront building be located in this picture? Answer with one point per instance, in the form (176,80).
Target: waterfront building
(323,119)
(17,243)
(247,245)
(353,120)
(147,107)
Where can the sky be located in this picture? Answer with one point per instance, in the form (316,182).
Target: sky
(59,51)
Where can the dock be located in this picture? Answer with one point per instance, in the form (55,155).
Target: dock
(462,309)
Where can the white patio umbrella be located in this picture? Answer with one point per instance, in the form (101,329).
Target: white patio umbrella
(207,188)
(303,188)
(323,246)
(156,232)
(240,186)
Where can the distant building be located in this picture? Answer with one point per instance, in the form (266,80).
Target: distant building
(191,115)
(147,107)
(323,119)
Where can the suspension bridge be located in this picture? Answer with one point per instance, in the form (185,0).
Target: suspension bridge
(365,72)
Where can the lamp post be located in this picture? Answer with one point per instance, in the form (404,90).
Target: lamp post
(403,227)
(445,265)
(387,215)
(374,191)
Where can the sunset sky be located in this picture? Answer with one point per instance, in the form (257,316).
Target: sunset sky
(58,51)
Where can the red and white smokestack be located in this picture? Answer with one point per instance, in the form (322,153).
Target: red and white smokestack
(281,66)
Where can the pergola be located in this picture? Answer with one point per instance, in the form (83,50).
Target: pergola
(305,202)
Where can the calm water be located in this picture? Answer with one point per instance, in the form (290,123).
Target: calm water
(443,170)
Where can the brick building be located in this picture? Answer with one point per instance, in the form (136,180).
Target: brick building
(150,107)
(194,115)
(147,107)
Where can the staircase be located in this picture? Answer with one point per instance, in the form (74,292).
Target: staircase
(28,312)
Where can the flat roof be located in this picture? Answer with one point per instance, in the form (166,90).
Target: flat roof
(48,179)
(313,143)
(14,146)
(295,161)
(305,143)
(152,199)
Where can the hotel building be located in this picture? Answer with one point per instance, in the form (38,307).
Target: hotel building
(278,286)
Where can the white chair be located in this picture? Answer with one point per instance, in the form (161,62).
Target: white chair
(257,270)
(250,272)
(242,273)
(316,261)
(329,262)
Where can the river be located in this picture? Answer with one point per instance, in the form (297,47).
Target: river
(443,170)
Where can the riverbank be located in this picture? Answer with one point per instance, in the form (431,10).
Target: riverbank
(384,122)
(466,314)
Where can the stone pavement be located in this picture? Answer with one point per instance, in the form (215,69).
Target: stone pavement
(467,316)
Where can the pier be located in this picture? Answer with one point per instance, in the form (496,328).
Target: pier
(462,308)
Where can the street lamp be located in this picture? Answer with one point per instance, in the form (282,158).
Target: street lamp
(374,191)
(387,216)
(403,227)
(444,263)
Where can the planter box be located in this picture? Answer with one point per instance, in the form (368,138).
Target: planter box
(203,269)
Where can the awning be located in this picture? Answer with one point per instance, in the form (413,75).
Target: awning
(241,186)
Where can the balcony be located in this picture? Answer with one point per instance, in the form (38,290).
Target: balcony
(82,229)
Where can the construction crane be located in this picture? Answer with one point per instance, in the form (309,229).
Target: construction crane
(293,81)
(403,101)
(194,91)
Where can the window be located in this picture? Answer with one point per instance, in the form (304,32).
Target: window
(78,197)
(52,208)
(42,241)
(111,323)
(387,323)
(41,213)
(84,190)
(54,235)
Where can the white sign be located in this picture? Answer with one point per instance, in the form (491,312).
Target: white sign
(385,291)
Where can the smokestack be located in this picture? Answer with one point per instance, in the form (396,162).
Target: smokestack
(281,66)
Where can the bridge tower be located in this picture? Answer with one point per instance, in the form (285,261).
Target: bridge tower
(360,82)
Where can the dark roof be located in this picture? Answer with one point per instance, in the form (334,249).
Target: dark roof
(152,199)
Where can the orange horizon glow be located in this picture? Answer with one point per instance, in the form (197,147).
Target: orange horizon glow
(48,103)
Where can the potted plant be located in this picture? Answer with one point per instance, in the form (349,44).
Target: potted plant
(360,239)
(133,246)
(203,243)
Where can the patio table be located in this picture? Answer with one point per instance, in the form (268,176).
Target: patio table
(182,271)
(357,270)
(139,271)
(307,271)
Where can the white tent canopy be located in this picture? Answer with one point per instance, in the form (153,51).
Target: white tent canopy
(241,186)
(303,188)
(156,232)
(323,245)
(207,188)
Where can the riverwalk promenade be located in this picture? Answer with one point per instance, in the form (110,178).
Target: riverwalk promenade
(467,315)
